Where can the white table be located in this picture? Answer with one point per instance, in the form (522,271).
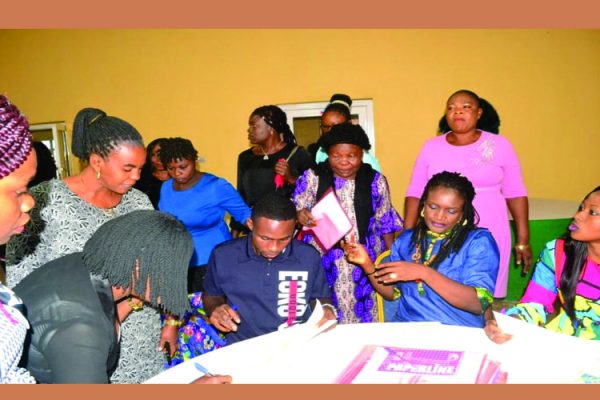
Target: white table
(534,355)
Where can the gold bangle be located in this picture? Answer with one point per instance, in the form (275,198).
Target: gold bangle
(134,306)
(173,322)
(521,247)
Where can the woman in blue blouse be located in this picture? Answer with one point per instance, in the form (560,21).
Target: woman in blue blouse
(199,200)
(445,268)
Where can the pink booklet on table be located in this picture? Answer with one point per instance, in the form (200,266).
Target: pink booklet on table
(332,222)
(389,364)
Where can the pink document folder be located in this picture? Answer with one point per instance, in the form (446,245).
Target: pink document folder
(332,222)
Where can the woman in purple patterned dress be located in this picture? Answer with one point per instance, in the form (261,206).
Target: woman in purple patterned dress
(365,197)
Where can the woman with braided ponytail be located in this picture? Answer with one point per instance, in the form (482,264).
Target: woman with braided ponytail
(69,211)
(444,269)
(273,163)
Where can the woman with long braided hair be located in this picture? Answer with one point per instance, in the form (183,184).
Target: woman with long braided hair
(444,269)
(273,163)
(71,300)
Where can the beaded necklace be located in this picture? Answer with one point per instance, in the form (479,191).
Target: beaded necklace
(428,259)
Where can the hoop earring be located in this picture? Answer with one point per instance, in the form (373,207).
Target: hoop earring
(422,212)
(98,174)
(464,223)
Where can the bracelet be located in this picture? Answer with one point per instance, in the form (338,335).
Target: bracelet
(173,322)
(485,298)
(134,306)
(521,247)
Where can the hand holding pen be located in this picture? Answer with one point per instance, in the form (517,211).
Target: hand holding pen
(210,377)
(225,318)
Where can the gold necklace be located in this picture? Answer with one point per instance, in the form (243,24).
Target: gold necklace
(429,258)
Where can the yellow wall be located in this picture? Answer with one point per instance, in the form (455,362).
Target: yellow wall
(202,84)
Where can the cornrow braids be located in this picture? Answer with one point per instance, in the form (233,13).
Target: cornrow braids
(97,133)
(340,103)
(575,259)
(460,231)
(276,118)
(177,148)
(15,138)
(162,246)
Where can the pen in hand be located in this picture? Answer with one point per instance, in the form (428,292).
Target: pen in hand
(203,369)
(168,352)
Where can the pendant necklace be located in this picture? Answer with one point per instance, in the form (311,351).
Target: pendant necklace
(266,156)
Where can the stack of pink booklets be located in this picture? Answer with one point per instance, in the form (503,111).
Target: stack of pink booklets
(386,364)
(332,222)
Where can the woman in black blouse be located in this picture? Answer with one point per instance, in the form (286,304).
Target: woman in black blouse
(274,152)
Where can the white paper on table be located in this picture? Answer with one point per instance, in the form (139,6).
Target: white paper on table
(274,354)
(293,337)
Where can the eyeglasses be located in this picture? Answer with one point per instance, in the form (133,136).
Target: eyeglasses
(325,128)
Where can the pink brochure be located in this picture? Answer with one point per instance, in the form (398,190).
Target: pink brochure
(332,223)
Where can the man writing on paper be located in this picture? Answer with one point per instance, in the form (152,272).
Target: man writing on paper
(265,281)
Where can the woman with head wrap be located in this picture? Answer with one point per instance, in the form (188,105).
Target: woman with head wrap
(17,168)
(338,112)
(365,197)
(273,163)
(69,211)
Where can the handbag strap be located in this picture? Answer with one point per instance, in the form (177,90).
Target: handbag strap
(292,153)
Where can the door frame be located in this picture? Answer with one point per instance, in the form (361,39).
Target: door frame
(361,107)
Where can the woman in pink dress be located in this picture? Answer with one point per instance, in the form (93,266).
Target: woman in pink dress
(491,164)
